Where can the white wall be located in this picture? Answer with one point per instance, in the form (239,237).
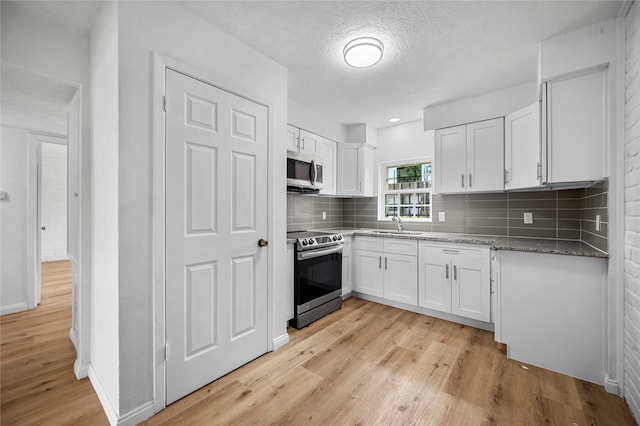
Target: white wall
(33,42)
(483,107)
(404,141)
(53,202)
(632,211)
(105,345)
(302,116)
(171,30)
(13,220)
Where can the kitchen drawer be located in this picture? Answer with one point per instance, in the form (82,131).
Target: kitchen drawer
(369,243)
(401,246)
(427,249)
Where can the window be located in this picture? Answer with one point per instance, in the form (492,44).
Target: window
(405,190)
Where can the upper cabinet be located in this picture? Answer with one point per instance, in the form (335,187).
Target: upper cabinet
(470,158)
(326,150)
(574,117)
(522,163)
(356,166)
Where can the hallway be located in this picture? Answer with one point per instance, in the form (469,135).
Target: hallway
(38,384)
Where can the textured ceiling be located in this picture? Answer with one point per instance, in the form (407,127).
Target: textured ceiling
(434,51)
(33,101)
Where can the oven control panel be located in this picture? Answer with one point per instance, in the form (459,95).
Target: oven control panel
(309,243)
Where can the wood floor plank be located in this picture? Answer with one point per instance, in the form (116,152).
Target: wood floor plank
(365,364)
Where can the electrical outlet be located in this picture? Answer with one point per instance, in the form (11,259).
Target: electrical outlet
(324,215)
(597,222)
(441,216)
(528,218)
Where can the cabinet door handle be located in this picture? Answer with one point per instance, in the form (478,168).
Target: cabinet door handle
(380,262)
(462,179)
(470,180)
(539,171)
(455,273)
(446,271)
(385,263)
(506,176)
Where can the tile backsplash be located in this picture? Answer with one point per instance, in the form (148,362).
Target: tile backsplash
(566,215)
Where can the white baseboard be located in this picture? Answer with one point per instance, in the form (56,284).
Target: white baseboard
(280,341)
(107,404)
(611,385)
(137,415)
(81,371)
(12,309)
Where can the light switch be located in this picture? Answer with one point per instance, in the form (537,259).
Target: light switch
(324,215)
(528,218)
(597,222)
(441,216)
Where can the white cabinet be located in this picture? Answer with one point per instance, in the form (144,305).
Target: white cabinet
(299,140)
(387,268)
(356,167)
(328,153)
(522,163)
(470,158)
(347,269)
(551,311)
(455,279)
(574,120)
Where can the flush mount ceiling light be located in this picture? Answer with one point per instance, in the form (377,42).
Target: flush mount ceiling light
(363,52)
(394,120)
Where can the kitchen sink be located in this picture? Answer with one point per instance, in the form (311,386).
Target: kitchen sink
(391,232)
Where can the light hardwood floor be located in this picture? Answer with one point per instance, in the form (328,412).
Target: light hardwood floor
(365,364)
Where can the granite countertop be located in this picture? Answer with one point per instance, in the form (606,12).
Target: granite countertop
(532,245)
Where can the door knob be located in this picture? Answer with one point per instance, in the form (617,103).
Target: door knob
(44,228)
(262,243)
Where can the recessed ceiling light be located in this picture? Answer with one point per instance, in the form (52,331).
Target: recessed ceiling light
(394,120)
(363,52)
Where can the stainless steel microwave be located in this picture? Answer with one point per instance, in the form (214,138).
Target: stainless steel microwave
(304,173)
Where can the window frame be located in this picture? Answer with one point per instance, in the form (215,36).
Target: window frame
(382,184)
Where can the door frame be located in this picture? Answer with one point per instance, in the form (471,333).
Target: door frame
(33,209)
(160,64)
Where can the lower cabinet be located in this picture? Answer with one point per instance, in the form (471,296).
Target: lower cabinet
(455,279)
(347,269)
(387,267)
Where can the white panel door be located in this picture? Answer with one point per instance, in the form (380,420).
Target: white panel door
(485,156)
(400,278)
(216,204)
(522,148)
(328,152)
(434,283)
(349,173)
(471,290)
(292,138)
(576,128)
(450,162)
(368,272)
(309,142)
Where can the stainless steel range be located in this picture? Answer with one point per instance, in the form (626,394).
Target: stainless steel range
(317,275)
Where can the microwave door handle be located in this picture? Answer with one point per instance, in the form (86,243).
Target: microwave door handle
(313,172)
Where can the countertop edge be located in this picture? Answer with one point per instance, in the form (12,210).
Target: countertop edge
(530,245)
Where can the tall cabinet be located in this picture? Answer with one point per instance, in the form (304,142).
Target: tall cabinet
(356,166)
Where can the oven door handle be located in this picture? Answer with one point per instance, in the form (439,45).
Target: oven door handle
(317,253)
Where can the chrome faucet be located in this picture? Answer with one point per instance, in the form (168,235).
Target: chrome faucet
(398,221)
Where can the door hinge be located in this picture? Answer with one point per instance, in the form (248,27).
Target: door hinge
(164,103)
(166,352)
